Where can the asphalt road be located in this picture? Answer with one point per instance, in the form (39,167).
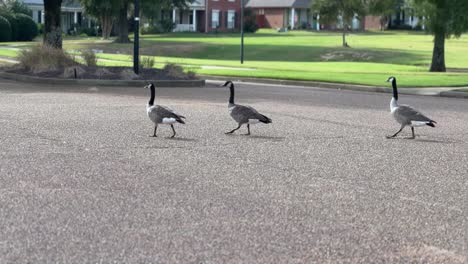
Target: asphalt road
(82,181)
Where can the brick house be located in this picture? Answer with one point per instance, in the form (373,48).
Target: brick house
(296,14)
(224,16)
(208,16)
(283,13)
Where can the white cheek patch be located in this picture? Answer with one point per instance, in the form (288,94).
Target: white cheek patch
(253,121)
(418,123)
(168,120)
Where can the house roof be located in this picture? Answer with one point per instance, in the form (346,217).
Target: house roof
(278,3)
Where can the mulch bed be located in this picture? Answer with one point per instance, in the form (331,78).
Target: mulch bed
(106,73)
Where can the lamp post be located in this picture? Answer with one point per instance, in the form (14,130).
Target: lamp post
(136,41)
(242,32)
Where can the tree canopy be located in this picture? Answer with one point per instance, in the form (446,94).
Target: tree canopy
(331,10)
(105,11)
(384,9)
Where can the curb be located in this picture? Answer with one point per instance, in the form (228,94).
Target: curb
(429,91)
(454,94)
(119,83)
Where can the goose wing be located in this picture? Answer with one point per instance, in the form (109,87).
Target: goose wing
(164,112)
(242,113)
(412,114)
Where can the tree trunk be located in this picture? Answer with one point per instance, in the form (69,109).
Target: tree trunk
(438,54)
(345,28)
(383,22)
(123,24)
(52,29)
(106,24)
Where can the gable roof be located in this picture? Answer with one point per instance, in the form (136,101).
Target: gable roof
(279,3)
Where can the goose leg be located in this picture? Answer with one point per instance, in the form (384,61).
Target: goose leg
(155,128)
(248,130)
(412,132)
(394,135)
(232,131)
(173,130)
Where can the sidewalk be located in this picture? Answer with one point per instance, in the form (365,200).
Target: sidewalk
(430,91)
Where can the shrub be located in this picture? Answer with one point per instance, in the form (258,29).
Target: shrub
(151,30)
(40,28)
(163,26)
(250,22)
(87,31)
(41,58)
(5,30)
(27,28)
(12,19)
(174,71)
(89,58)
(146,62)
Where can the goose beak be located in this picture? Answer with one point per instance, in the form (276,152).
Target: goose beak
(225,84)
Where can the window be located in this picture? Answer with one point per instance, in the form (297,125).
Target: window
(231,18)
(215,19)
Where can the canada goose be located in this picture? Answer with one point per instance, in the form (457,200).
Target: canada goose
(406,115)
(243,114)
(160,114)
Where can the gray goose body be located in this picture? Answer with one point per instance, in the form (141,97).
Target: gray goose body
(406,115)
(243,114)
(160,114)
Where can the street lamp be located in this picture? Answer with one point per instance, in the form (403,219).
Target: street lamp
(242,32)
(136,41)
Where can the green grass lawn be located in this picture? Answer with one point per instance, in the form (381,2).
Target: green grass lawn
(296,55)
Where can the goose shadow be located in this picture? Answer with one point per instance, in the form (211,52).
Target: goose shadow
(443,141)
(440,141)
(258,137)
(182,139)
(268,137)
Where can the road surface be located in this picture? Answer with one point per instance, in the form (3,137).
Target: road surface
(82,181)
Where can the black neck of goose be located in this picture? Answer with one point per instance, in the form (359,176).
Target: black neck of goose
(231,97)
(151,100)
(395,91)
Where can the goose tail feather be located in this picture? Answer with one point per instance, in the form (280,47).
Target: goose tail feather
(431,124)
(265,119)
(179,120)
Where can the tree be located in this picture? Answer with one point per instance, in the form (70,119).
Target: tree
(52,28)
(105,11)
(384,9)
(153,6)
(16,7)
(332,10)
(444,19)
